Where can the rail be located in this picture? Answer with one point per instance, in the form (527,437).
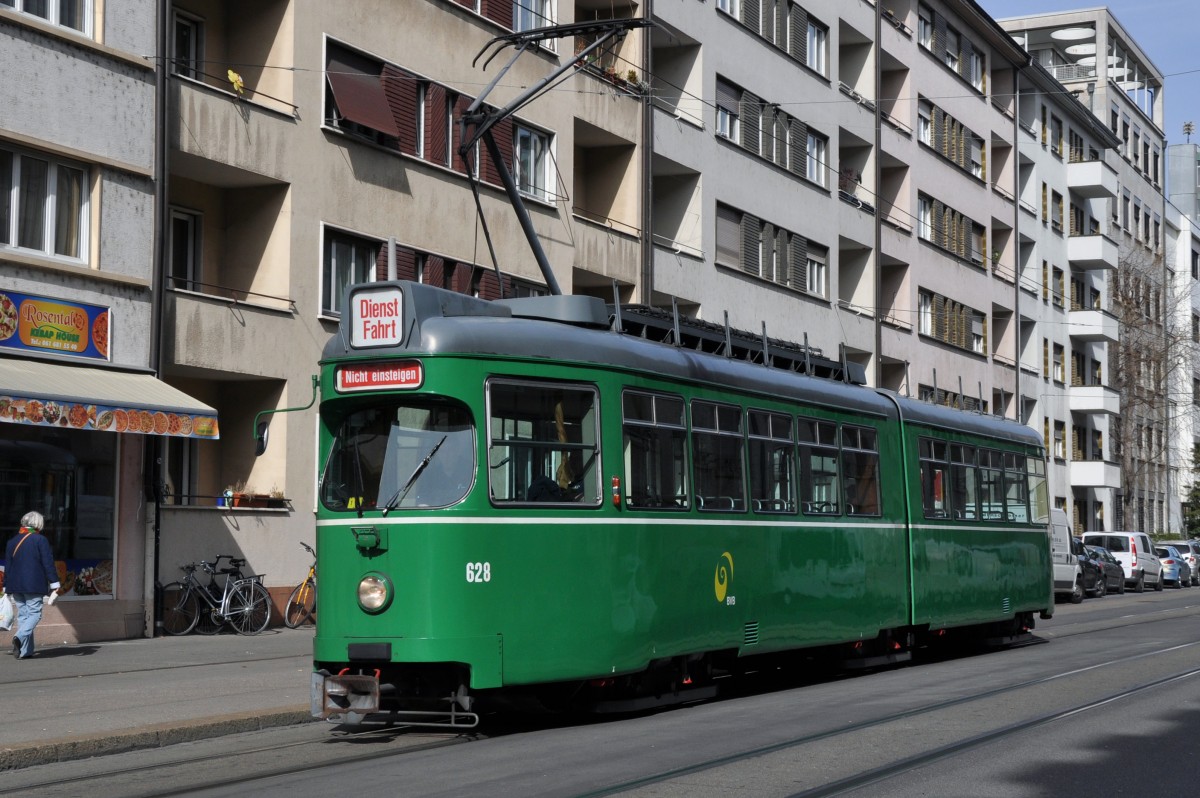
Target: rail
(227,293)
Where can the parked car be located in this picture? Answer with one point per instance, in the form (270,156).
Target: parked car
(1067,573)
(1175,567)
(1191,552)
(1135,552)
(1091,580)
(1114,574)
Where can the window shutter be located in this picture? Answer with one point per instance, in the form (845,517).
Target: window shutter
(766,249)
(402,91)
(982,148)
(798,40)
(797,145)
(751,108)
(461,104)
(936,224)
(781,23)
(967,60)
(489,286)
(437,134)
(503,134)
(751,236)
(728,97)
(939,35)
(939,133)
(782,252)
(460,277)
(435,271)
(781,133)
(406,263)
(799,275)
(938,321)
(499,11)
(752,14)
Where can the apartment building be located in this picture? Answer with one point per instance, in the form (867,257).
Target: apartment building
(315,145)
(82,405)
(1183,253)
(1094,57)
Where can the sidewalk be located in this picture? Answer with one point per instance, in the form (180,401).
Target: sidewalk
(75,701)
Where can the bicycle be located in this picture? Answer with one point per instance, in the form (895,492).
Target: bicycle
(241,601)
(302,604)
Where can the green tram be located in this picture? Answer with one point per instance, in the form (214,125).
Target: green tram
(520,503)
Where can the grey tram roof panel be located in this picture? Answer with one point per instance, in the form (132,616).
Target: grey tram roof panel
(446,322)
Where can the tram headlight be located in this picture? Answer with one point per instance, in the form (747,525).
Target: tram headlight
(374,592)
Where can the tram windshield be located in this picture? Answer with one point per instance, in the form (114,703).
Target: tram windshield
(401,452)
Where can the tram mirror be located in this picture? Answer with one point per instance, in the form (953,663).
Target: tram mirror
(260,437)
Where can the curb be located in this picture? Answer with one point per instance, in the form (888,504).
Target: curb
(153,736)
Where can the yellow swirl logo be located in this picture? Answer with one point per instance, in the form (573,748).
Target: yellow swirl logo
(723,576)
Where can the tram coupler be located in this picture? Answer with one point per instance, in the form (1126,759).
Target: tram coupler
(345,697)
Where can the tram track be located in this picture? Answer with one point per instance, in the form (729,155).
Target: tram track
(233,760)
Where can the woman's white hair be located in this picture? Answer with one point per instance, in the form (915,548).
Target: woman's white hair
(33,520)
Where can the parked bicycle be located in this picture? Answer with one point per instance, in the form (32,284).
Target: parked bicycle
(302,604)
(238,600)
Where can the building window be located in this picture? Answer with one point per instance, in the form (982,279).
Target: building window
(43,205)
(924,218)
(184,245)
(73,14)
(1060,440)
(348,260)
(818,46)
(925,27)
(815,169)
(530,14)
(728,104)
(925,123)
(952,48)
(728,6)
(925,313)
(977,67)
(187,46)
(729,237)
(1059,374)
(818,270)
(533,162)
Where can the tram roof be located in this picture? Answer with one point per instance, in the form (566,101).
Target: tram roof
(577,330)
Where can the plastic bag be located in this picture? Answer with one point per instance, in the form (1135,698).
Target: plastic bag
(7,612)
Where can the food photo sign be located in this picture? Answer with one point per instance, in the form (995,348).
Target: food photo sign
(106,418)
(32,323)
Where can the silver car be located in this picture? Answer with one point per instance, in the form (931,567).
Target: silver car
(1191,552)
(1175,568)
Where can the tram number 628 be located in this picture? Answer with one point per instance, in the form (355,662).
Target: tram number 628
(479,572)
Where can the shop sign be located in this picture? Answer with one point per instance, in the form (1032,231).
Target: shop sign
(37,324)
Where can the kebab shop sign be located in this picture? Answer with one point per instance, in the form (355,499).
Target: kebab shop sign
(376,317)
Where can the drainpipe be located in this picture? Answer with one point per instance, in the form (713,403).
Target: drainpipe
(646,278)
(878,195)
(158,282)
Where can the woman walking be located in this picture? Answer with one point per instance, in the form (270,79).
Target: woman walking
(29,570)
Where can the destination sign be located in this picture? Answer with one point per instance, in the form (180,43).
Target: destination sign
(394,375)
(376,317)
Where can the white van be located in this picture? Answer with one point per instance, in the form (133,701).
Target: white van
(1135,552)
(1068,577)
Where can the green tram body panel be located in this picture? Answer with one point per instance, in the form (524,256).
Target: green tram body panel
(585,592)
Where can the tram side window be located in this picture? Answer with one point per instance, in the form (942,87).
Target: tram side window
(935,477)
(543,442)
(991,485)
(772,462)
(655,436)
(717,454)
(819,489)
(860,467)
(964,483)
(1016,488)
(1039,491)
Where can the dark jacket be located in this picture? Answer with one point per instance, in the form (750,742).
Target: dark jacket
(30,570)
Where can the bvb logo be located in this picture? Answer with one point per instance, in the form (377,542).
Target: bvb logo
(723,576)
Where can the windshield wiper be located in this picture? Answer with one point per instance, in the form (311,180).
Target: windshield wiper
(400,494)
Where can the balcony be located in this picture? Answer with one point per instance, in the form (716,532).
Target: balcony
(1095,474)
(1094,399)
(605,250)
(1093,326)
(1095,251)
(216,333)
(218,138)
(1092,179)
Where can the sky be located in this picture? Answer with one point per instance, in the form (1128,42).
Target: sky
(1168,32)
